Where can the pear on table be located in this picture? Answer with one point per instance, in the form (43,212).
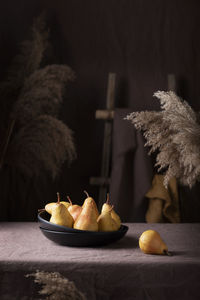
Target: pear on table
(107,207)
(87,219)
(106,222)
(60,214)
(74,209)
(150,242)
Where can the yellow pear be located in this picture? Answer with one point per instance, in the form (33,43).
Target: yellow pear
(106,207)
(74,209)
(87,219)
(150,242)
(89,200)
(106,222)
(60,215)
(49,206)
(66,204)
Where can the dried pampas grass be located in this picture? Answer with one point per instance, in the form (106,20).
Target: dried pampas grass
(32,138)
(43,145)
(175,133)
(24,64)
(56,287)
(42,93)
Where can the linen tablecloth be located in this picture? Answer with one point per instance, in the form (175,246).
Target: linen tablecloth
(116,271)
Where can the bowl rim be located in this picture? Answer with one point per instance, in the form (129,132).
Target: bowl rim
(123,229)
(73,230)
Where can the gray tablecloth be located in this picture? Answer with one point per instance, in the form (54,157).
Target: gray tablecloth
(116,271)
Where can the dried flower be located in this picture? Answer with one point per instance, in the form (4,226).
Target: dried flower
(175,132)
(56,287)
(42,145)
(29,58)
(42,93)
(22,66)
(30,98)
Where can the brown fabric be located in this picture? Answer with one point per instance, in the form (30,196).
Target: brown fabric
(132,170)
(119,271)
(163,202)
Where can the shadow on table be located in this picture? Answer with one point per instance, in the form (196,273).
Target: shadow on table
(125,243)
(178,253)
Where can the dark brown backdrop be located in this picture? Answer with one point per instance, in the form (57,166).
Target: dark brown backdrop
(142,41)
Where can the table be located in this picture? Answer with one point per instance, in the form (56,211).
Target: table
(116,271)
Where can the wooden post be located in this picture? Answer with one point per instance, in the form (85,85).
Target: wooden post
(106,115)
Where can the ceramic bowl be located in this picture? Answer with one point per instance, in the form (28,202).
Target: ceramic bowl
(73,237)
(84,238)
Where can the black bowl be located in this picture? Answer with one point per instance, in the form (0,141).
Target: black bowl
(43,219)
(84,238)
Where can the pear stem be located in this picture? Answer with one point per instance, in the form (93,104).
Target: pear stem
(166,252)
(70,201)
(108,198)
(86,194)
(58,198)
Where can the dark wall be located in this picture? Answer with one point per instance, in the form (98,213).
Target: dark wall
(142,41)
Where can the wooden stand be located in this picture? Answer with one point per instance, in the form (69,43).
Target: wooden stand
(107,115)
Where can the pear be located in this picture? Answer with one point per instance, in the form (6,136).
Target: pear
(87,220)
(106,207)
(91,200)
(74,209)
(49,206)
(66,204)
(106,222)
(60,215)
(150,242)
